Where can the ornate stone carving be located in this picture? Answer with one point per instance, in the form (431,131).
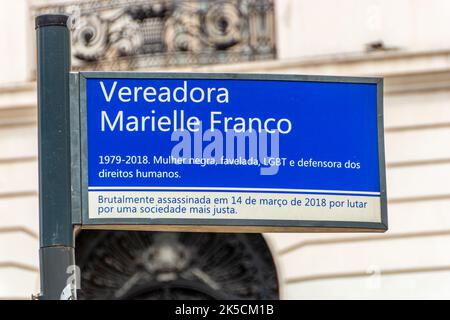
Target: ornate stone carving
(124,34)
(161,265)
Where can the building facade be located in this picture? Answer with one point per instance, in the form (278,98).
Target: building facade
(403,41)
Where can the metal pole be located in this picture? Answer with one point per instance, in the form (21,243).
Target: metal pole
(56,235)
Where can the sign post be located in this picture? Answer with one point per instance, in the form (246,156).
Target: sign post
(200,153)
(56,230)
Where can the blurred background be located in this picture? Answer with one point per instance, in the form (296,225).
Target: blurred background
(405,41)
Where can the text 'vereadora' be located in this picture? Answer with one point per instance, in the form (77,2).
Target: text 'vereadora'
(180,94)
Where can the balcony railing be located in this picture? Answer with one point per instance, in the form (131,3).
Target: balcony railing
(127,35)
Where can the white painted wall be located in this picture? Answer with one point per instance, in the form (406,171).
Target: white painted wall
(321,27)
(15,32)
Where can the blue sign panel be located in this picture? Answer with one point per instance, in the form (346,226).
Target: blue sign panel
(234,150)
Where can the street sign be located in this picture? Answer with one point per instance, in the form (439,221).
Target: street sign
(228,152)
(199,152)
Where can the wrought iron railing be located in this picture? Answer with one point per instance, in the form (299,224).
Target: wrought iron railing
(129,35)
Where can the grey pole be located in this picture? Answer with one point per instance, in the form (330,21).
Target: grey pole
(56,231)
